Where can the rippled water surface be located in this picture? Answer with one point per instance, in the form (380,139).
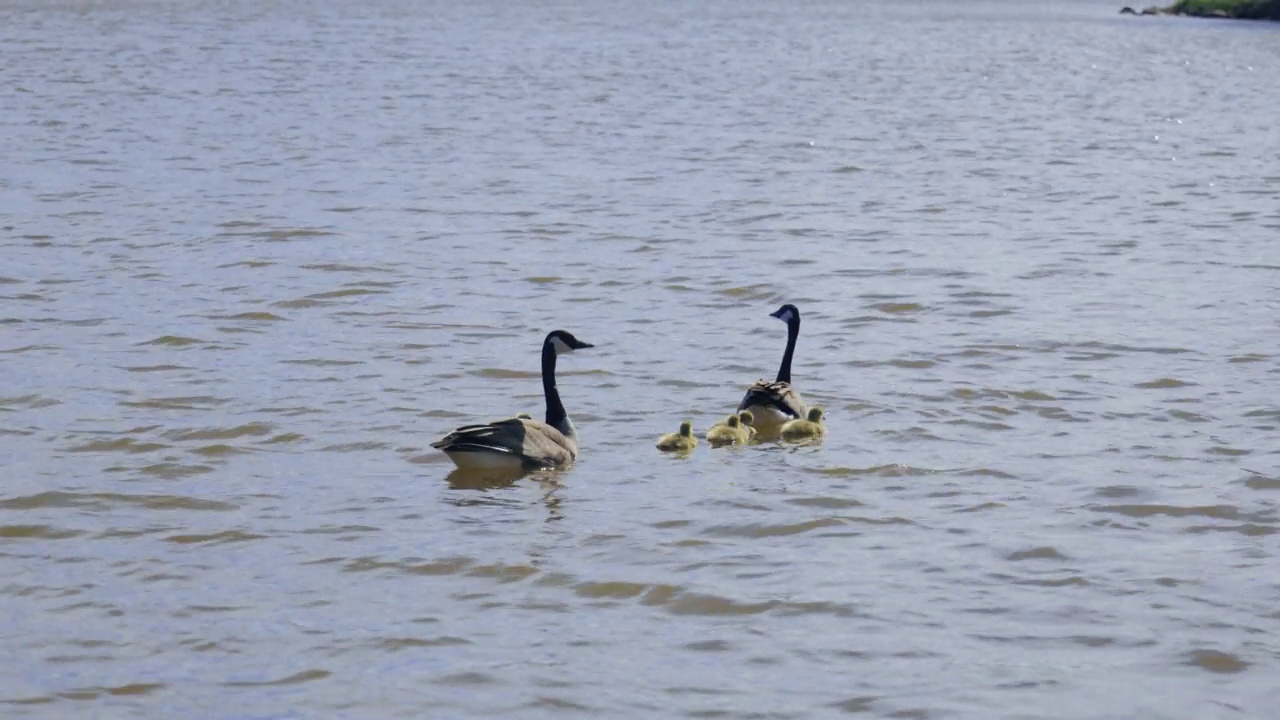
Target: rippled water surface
(257,256)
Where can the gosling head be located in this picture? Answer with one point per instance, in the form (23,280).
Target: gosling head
(524,416)
(686,429)
(734,422)
(747,418)
(815,414)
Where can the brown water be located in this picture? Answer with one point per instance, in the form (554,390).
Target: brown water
(257,256)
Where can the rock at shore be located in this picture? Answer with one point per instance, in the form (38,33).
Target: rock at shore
(1239,9)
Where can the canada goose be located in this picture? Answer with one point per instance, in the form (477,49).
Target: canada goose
(774,403)
(682,441)
(730,432)
(809,428)
(521,442)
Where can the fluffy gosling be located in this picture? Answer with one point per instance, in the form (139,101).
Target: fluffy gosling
(809,428)
(682,441)
(731,432)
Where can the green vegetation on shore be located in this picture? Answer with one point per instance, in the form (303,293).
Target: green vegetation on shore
(1243,9)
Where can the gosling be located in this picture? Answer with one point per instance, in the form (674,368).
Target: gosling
(810,428)
(682,441)
(731,432)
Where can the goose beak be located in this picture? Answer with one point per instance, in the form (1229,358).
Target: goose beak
(582,345)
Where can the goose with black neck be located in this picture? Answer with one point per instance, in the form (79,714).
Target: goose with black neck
(775,403)
(521,443)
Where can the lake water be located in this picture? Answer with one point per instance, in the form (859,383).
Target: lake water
(257,256)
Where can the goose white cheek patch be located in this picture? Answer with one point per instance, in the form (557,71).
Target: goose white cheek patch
(560,346)
(785,316)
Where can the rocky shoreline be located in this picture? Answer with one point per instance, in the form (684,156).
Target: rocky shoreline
(1237,9)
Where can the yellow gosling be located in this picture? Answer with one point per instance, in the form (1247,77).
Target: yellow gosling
(731,432)
(810,428)
(682,441)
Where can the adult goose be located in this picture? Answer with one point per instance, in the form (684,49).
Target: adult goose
(774,403)
(521,442)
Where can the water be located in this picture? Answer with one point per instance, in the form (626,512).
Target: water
(257,256)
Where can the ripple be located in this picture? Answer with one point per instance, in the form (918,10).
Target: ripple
(299,303)
(294,679)
(252,316)
(408,643)
(1216,661)
(345,293)
(829,503)
(195,402)
(503,374)
(1163,383)
(1246,529)
(1037,553)
(709,646)
(31,402)
(94,693)
(43,532)
(155,368)
(218,538)
(175,341)
(322,362)
(1220,512)
(612,590)
(218,450)
(126,445)
(699,604)
(892,470)
(1258,481)
(173,470)
(251,429)
(449,566)
(469,678)
(857,705)
(104,501)
(283,438)
(356,447)
(893,308)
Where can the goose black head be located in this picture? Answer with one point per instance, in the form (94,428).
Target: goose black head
(564,342)
(786,313)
